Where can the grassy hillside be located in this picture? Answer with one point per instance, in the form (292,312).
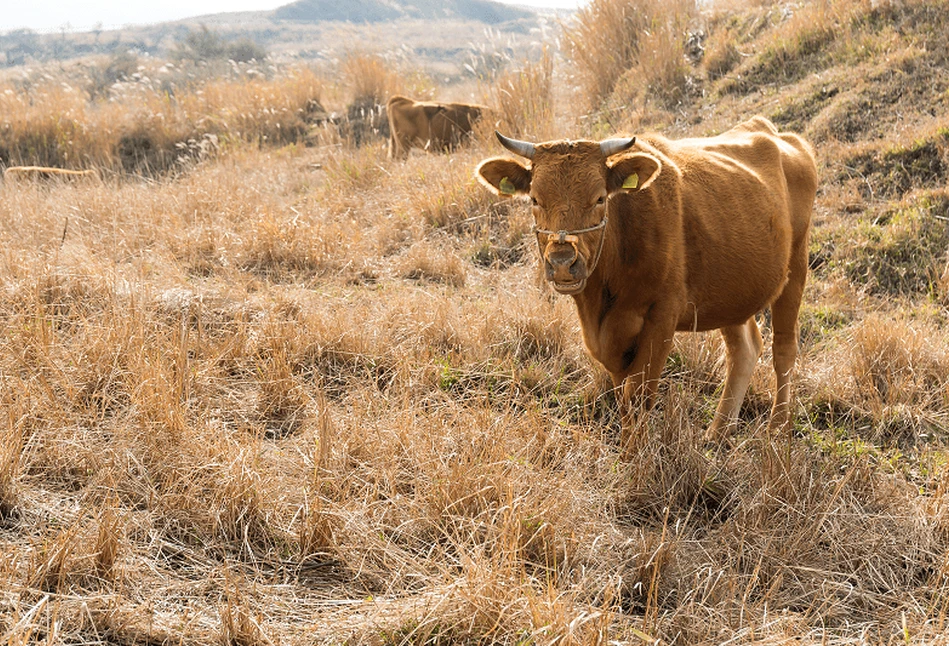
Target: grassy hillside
(263,385)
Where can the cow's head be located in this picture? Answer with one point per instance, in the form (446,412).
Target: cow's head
(569,184)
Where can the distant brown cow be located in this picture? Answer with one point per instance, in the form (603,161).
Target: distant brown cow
(428,125)
(46,172)
(652,236)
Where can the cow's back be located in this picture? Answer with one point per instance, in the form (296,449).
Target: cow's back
(453,122)
(746,199)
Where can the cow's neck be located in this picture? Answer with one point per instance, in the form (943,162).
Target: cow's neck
(599,298)
(595,301)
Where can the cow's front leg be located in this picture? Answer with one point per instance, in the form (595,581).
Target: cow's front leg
(644,360)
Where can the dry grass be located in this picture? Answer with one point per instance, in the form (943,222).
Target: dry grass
(158,120)
(523,99)
(308,395)
(642,42)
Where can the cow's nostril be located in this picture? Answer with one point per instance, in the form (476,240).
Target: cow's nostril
(561,255)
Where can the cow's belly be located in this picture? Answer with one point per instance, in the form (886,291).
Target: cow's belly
(737,273)
(715,306)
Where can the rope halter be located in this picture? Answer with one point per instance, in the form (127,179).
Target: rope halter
(573,237)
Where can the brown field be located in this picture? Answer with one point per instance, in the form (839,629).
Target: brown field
(260,385)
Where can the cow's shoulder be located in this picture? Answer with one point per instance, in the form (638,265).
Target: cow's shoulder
(751,147)
(755,124)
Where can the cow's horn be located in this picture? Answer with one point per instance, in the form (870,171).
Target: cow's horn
(522,148)
(612,146)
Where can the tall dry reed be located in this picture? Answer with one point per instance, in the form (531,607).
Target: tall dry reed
(644,42)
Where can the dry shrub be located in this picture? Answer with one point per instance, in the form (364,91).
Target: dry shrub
(52,125)
(281,244)
(890,171)
(698,360)
(371,79)
(441,192)
(354,170)
(722,57)
(54,559)
(527,327)
(829,567)
(662,73)
(109,541)
(641,41)
(239,509)
(260,111)
(895,363)
(327,351)
(316,534)
(731,30)
(602,43)
(867,99)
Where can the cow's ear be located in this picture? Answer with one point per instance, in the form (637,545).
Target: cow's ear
(504,176)
(633,172)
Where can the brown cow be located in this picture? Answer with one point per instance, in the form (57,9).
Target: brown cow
(46,172)
(428,125)
(652,236)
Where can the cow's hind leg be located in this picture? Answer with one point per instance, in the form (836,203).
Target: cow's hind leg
(743,346)
(784,322)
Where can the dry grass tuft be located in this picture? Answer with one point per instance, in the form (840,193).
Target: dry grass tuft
(11,447)
(634,48)
(523,99)
(904,249)
(372,78)
(239,626)
(897,376)
(424,261)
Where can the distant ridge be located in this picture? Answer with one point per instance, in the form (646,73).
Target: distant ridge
(362,11)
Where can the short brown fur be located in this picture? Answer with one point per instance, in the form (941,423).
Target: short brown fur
(428,125)
(715,230)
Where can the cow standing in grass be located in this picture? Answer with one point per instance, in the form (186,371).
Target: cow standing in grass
(651,236)
(429,125)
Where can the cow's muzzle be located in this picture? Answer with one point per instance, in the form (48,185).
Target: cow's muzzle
(564,265)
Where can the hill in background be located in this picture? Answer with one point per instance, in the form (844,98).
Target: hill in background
(484,11)
(305,30)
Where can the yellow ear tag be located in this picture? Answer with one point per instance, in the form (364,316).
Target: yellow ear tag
(506,186)
(632,181)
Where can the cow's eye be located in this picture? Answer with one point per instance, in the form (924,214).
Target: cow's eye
(533,200)
(601,200)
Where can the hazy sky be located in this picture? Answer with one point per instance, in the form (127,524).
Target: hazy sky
(52,15)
